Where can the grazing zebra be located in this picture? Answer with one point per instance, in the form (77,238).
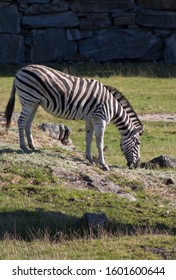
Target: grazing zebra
(74,98)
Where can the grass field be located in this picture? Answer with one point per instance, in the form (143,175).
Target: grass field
(40,211)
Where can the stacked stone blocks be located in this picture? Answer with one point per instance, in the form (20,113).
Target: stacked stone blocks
(46,31)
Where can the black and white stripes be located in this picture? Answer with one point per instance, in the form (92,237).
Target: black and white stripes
(71,97)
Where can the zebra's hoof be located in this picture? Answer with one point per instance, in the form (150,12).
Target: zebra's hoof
(92,163)
(25,150)
(105,167)
(90,159)
(36,151)
(32,148)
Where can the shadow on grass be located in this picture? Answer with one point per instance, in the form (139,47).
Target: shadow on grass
(57,226)
(10,151)
(18,151)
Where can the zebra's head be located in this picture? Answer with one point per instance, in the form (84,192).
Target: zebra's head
(130,147)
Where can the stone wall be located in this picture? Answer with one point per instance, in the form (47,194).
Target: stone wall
(42,31)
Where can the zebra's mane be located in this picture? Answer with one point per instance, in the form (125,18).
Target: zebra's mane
(126,106)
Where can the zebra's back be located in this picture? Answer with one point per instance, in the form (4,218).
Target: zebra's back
(61,94)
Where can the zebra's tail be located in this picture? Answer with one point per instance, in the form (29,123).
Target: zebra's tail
(10,106)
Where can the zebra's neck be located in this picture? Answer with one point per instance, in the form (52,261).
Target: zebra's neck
(122,121)
(122,100)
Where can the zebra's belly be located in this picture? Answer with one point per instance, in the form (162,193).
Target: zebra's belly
(73,114)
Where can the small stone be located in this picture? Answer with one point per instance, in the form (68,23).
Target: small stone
(57,131)
(168,181)
(94,220)
(163,161)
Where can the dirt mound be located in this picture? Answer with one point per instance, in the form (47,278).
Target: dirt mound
(87,178)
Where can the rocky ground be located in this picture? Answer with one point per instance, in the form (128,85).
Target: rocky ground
(74,171)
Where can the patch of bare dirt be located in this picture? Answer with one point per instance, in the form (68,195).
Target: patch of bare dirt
(158,117)
(87,178)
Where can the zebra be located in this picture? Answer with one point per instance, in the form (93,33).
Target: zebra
(70,97)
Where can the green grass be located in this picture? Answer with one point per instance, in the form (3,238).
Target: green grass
(153,144)
(143,247)
(40,213)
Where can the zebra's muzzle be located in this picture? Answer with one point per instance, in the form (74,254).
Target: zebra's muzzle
(133,165)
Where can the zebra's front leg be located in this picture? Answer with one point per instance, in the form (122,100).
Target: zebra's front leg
(30,140)
(89,135)
(99,127)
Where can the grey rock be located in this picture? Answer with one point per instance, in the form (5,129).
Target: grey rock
(15,117)
(22,7)
(127,196)
(37,9)
(76,34)
(124,18)
(63,19)
(163,161)
(157,4)
(11,48)
(101,6)
(170,49)
(157,19)
(57,131)
(55,46)
(163,33)
(168,181)
(33,1)
(94,220)
(9,19)
(95,21)
(127,44)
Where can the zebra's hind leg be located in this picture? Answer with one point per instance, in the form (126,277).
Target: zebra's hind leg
(89,135)
(21,126)
(28,129)
(24,123)
(99,127)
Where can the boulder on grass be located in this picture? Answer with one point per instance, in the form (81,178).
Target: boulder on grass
(57,131)
(94,220)
(163,161)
